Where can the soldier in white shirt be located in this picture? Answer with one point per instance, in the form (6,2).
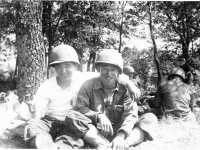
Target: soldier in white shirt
(55,98)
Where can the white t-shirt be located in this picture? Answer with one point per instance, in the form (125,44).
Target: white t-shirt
(52,100)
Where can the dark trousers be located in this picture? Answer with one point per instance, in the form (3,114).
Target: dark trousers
(80,125)
(54,130)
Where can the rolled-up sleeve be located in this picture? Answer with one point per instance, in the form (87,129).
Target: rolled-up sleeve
(130,115)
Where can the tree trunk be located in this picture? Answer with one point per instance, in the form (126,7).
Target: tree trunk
(91,61)
(30,48)
(185,49)
(121,26)
(154,44)
(50,38)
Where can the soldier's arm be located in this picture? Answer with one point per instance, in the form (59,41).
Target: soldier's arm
(129,116)
(83,103)
(134,92)
(38,106)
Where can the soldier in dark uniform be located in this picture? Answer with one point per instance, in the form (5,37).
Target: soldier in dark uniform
(174,97)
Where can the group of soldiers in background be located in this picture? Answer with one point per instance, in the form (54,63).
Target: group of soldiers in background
(176,97)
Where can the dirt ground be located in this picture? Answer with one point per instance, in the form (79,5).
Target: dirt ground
(171,134)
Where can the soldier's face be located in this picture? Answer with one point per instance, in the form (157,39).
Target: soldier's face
(108,74)
(65,70)
(4,76)
(130,75)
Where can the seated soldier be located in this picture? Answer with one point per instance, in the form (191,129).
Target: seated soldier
(106,117)
(53,101)
(130,72)
(174,97)
(8,99)
(143,106)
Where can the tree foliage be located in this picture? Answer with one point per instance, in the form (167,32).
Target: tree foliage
(182,23)
(90,26)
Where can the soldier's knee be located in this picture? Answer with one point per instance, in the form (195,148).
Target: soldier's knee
(150,118)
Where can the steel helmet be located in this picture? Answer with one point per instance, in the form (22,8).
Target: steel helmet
(63,53)
(177,71)
(128,69)
(110,56)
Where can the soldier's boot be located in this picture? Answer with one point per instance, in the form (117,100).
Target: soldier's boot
(94,137)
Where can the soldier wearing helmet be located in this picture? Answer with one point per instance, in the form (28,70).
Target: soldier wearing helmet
(105,108)
(129,71)
(174,97)
(54,99)
(176,71)
(143,107)
(52,102)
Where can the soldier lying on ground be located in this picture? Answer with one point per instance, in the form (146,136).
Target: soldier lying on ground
(8,99)
(174,97)
(106,117)
(53,101)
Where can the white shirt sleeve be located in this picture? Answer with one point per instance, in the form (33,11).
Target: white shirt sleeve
(123,79)
(41,101)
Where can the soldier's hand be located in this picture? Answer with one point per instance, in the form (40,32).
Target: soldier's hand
(29,103)
(105,124)
(31,106)
(118,143)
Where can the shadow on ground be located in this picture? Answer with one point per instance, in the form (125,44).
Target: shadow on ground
(14,143)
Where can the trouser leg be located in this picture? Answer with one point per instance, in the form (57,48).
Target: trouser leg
(84,128)
(66,138)
(135,137)
(36,134)
(148,123)
(144,129)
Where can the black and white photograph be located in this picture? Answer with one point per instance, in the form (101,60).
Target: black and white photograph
(106,75)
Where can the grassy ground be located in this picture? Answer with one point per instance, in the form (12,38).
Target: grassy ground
(171,134)
(174,135)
